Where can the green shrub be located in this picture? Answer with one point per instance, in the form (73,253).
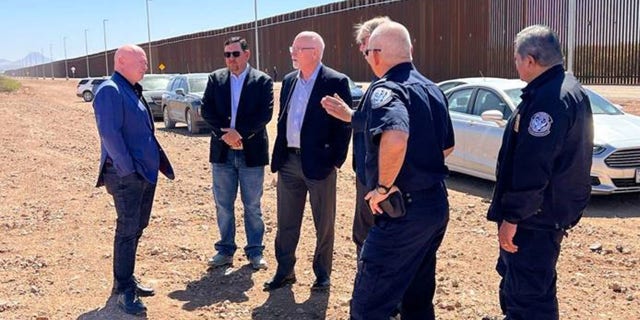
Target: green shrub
(8,84)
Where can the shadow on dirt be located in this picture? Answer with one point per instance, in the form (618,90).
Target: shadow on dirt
(217,285)
(625,205)
(110,311)
(281,304)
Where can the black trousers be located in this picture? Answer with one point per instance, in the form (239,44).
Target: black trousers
(398,260)
(133,199)
(292,189)
(528,285)
(362,217)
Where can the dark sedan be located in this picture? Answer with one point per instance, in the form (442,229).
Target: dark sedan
(153,86)
(356,93)
(182,100)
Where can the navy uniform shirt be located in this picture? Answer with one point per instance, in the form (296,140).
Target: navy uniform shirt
(404,100)
(543,179)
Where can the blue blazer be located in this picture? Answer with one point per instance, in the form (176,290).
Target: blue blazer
(324,140)
(126,133)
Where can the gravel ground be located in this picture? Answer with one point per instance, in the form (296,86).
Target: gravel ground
(57,233)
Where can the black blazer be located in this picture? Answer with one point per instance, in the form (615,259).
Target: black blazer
(324,140)
(255,110)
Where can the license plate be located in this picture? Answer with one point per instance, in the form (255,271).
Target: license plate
(637,175)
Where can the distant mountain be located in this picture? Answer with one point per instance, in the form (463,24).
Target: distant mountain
(33,58)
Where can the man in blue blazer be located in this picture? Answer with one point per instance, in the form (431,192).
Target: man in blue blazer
(238,104)
(129,163)
(310,145)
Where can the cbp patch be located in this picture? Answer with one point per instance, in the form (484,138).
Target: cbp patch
(380,97)
(540,124)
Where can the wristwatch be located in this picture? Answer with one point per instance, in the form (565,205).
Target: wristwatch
(383,189)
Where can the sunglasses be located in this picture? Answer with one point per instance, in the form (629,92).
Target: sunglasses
(366,51)
(235,54)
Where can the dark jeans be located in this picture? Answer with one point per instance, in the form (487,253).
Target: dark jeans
(398,260)
(528,285)
(133,198)
(362,217)
(292,191)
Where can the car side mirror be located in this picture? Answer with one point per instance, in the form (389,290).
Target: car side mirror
(494,116)
(180,91)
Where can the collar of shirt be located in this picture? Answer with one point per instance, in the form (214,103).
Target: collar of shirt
(403,66)
(313,77)
(137,88)
(236,91)
(542,79)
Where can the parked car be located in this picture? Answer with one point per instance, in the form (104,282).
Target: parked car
(86,88)
(182,100)
(356,93)
(480,109)
(153,86)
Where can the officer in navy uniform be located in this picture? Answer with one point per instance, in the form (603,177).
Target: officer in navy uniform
(543,182)
(407,128)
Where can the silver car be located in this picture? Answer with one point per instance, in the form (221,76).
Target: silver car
(480,109)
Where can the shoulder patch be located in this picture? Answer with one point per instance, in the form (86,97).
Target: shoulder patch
(540,124)
(380,97)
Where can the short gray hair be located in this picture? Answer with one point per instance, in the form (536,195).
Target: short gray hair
(364,29)
(541,43)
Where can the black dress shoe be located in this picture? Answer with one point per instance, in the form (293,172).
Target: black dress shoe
(129,303)
(279,282)
(321,285)
(143,291)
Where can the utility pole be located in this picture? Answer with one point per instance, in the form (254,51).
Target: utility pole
(86,49)
(66,66)
(255,12)
(106,60)
(51,62)
(149,39)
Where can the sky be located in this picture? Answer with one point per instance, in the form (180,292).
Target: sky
(36,25)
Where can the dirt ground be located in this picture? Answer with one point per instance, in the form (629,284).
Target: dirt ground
(56,234)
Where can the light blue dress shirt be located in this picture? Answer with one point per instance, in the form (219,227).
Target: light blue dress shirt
(236,90)
(298,107)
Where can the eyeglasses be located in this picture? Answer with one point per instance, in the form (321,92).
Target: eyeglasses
(235,54)
(366,51)
(297,49)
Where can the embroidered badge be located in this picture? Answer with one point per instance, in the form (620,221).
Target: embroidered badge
(380,97)
(540,124)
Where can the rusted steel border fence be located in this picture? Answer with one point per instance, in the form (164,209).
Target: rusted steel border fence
(452,38)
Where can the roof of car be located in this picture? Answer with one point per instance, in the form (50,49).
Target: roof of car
(496,83)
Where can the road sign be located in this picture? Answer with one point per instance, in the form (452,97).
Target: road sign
(161,66)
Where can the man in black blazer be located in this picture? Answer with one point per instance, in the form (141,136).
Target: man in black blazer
(310,146)
(238,104)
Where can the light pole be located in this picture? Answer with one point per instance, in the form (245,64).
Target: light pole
(255,12)
(66,66)
(86,49)
(149,38)
(43,62)
(106,61)
(51,62)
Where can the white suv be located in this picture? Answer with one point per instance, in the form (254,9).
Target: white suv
(86,88)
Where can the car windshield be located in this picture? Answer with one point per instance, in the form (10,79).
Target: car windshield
(198,84)
(600,105)
(154,83)
(514,95)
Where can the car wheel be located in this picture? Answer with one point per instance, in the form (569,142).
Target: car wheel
(87,96)
(191,126)
(168,124)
